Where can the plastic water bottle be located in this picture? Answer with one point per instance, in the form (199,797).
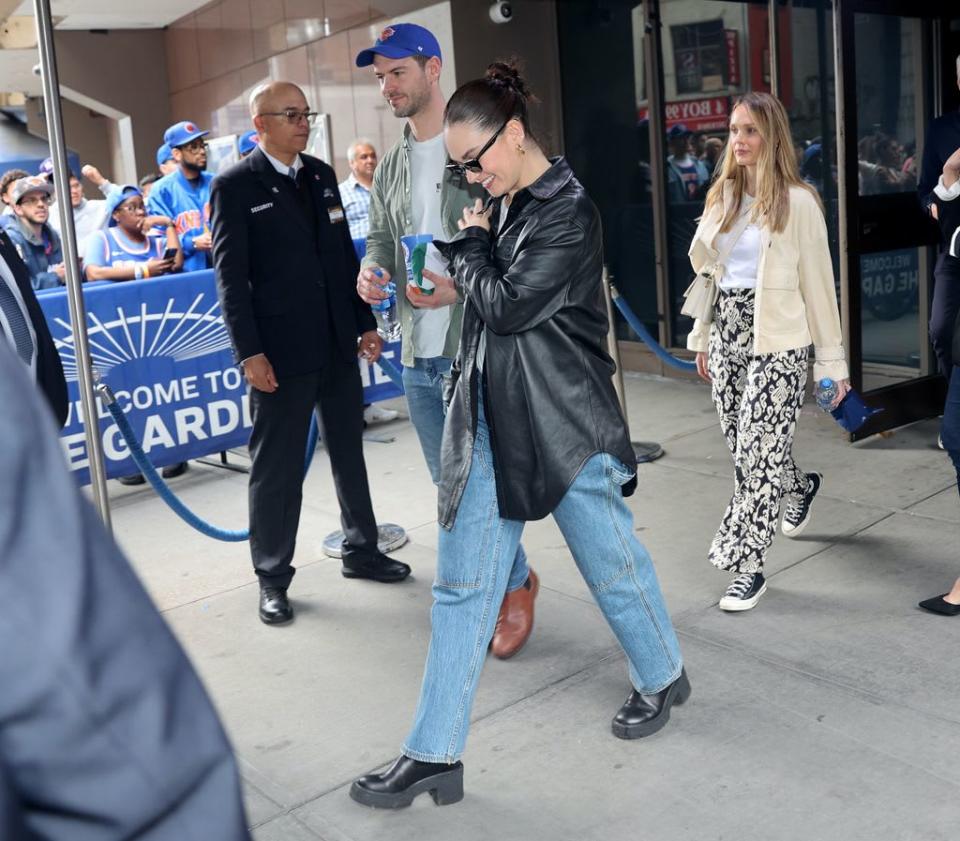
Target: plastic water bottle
(388,322)
(826,393)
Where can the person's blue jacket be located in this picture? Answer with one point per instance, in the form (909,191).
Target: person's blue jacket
(188,205)
(40,253)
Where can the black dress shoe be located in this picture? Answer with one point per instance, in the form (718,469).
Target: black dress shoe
(377,568)
(171,471)
(643,715)
(396,788)
(938,605)
(274,607)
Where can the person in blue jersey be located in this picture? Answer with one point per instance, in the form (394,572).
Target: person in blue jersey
(184,195)
(130,247)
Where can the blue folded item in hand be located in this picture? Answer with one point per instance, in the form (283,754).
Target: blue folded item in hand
(852,413)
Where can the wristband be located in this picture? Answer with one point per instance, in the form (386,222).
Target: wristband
(146,270)
(138,271)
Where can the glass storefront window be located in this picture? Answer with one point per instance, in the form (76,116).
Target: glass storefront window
(889,122)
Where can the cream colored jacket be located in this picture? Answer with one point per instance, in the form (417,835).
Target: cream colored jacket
(796,300)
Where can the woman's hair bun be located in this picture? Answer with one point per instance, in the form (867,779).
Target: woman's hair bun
(507,74)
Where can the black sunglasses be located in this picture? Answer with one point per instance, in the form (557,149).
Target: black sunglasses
(474,165)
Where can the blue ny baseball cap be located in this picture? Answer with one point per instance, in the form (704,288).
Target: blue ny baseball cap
(180,134)
(401,40)
(116,197)
(164,154)
(248,142)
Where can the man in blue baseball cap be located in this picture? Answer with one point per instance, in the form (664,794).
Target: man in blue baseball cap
(402,40)
(184,194)
(407,62)
(165,162)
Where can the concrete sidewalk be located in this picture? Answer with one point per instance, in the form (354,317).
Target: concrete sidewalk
(829,712)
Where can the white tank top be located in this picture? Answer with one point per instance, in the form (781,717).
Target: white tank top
(740,271)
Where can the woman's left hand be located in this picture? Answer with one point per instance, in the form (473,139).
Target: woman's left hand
(843,386)
(475,216)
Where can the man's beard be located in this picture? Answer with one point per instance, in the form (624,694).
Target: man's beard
(415,104)
(194,169)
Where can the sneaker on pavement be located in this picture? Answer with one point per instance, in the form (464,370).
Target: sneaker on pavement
(377,414)
(797,513)
(744,592)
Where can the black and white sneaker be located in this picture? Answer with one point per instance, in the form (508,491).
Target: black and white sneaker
(744,592)
(797,513)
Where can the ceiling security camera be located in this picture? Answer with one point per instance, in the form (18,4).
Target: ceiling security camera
(501,11)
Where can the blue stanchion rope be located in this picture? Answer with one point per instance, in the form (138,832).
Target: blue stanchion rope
(637,326)
(149,472)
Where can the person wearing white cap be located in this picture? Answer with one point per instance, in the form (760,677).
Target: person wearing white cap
(36,242)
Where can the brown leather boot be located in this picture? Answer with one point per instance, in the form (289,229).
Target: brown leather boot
(515,620)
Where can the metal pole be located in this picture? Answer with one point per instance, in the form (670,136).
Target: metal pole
(653,61)
(847,318)
(644,450)
(78,313)
(774,48)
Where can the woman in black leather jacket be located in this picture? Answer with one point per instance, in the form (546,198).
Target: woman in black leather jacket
(533,428)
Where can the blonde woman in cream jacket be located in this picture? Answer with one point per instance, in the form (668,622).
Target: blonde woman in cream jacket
(777,297)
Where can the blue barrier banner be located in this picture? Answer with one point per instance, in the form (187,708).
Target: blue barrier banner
(162,347)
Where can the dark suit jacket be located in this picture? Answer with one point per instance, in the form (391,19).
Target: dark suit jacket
(272,269)
(105,729)
(49,370)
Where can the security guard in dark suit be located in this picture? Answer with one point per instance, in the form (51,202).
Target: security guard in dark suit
(23,324)
(285,266)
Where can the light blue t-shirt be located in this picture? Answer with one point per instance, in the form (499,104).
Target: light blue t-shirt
(111,249)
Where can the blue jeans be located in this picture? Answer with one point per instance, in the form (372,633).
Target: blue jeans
(474,559)
(950,430)
(423,384)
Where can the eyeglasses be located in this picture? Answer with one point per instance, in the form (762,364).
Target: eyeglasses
(42,198)
(474,165)
(135,207)
(197,145)
(292,115)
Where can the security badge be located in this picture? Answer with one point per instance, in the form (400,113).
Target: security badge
(334,211)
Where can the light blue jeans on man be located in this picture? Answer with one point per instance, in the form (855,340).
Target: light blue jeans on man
(472,567)
(423,384)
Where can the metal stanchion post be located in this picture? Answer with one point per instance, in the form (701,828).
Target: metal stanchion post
(644,450)
(78,313)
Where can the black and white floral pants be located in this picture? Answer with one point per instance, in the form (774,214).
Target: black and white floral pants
(758,398)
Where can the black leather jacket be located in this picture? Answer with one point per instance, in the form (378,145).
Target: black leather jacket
(534,291)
